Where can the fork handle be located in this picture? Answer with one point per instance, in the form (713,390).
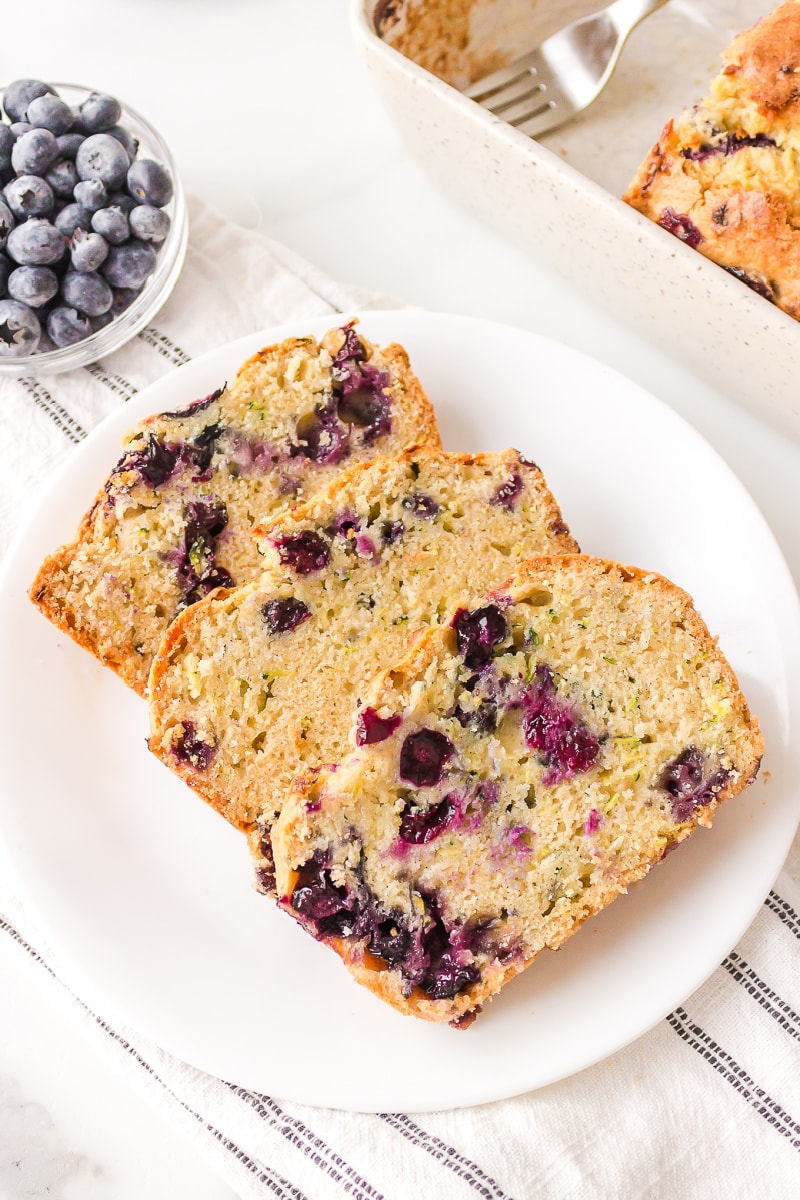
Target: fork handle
(626,14)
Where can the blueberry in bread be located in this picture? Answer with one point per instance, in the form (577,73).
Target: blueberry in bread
(512,775)
(174,519)
(723,177)
(253,687)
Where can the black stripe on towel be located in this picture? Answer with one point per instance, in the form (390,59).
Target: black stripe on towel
(309,1142)
(783,909)
(55,411)
(164,345)
(276,1183)
(736,1076)
(110,379)
(448,1156)
(770,1001)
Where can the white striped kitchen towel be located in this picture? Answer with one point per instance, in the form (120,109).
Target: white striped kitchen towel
(705,1105)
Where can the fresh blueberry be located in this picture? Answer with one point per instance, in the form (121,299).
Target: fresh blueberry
(281,616)
(100,113)
(19,94)
(421,505)
(565,745)
(320,436)
(68,144)
(72,217)
(371,727)
(36,243)
(91,193)
(122,200)
(29,196)
(34,152)
(19,128)
(681,227)
(62,177)
(450,976)
(66,326)
(19,329)
(191,749)
(7,223)
(33,286)
(423,755)
(420,827)
(148,223)
(123,299)
(391,532)
(689,784)
(205,521)
(367,407)
(102,157)
(759,285)
(49,112)
(482,719)
(428,954)
(507,493)
(77,120)
(87,250)
(305,552)
(6,267)
(87,292)
(155,462)
(6,146)
(126,139)
(149,183)
(128,266)
(478,632)
(100,322)
(112,224)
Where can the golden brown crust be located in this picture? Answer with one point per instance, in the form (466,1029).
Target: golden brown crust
(44,592)
(766,59)
(723,177)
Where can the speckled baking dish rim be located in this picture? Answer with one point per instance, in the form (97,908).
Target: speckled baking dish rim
(641,274)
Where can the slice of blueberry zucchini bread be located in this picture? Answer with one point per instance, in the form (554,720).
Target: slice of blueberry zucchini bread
(174,519)
(725,176)
(254,687)
(512,775)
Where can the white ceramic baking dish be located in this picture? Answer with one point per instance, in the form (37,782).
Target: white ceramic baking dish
(554,209)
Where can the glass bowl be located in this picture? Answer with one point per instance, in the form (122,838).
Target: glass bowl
(158,287)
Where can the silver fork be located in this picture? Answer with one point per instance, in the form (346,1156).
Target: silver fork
(541,90)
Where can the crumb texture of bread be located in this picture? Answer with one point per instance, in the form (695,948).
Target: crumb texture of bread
(174,519)
(511,776)
(725,176)
(254,687)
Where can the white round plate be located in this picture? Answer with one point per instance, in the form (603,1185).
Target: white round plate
(146,892)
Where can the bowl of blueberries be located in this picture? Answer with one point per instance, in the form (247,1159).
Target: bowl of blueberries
(93,226)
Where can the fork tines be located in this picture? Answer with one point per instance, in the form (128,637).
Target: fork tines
(516,94)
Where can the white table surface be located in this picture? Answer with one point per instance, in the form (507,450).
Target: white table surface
(273,119)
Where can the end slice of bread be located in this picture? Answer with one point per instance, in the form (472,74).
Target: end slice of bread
(519,769)
(174,519)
